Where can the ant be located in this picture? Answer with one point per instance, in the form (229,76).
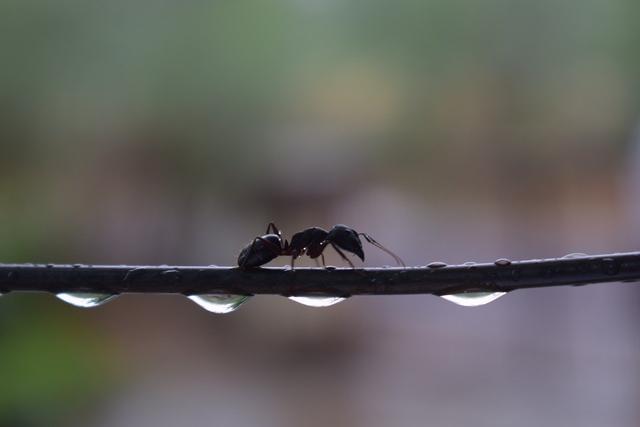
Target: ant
(311,241)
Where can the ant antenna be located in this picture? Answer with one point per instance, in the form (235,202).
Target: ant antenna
(375,243)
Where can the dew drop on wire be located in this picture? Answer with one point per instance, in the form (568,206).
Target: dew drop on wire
(436,264)
(85,299)
(473,299)
(502,262)
(574,256)
(219,303)
(317,301)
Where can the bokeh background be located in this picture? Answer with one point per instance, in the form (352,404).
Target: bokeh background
(171,132)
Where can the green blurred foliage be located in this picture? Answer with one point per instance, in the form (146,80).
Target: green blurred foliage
(52,365)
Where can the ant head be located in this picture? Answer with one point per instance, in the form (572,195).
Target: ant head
(346,238)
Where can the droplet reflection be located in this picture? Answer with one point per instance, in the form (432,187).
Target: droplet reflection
(219,303)
(473,299)
(85,299)
(317,301)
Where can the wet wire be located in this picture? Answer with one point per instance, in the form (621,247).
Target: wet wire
(436,278)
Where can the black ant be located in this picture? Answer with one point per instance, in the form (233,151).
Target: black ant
(311,242)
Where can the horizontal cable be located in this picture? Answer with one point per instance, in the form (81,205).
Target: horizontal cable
(435,278)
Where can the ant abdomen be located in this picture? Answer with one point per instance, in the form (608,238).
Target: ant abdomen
(260,251)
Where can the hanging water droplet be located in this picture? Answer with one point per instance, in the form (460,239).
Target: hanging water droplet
(574,256)
(317,301)
(473,299)
(85,299)
(219,303)
(502,262)
(469,263)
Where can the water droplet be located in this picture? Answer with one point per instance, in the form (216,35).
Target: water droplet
(469,263)
(219,303)
(77,265)
(85,299)
(436,264)
(473,299)
(49,265)
(574,256)
(317,301)
(502,262)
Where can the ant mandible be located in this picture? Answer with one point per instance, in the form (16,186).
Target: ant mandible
(311,242)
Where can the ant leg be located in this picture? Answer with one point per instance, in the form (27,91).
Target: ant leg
(274,228)
(379,246)
(294,256)
(342,255)
(323,263)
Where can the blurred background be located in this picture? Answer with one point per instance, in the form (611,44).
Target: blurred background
(167,132)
